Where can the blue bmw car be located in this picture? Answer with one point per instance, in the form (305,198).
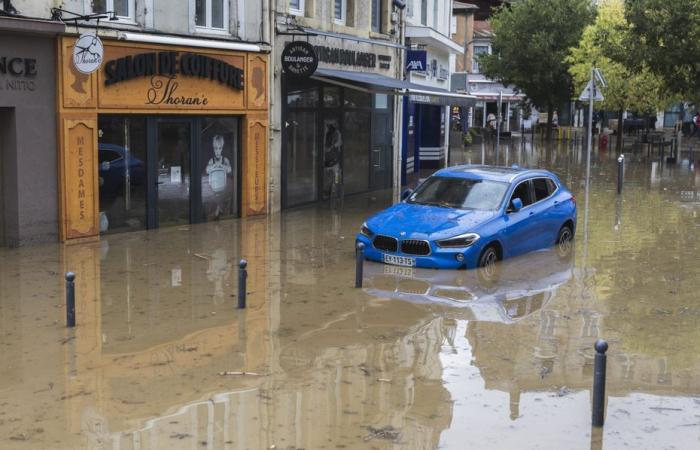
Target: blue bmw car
(472,216)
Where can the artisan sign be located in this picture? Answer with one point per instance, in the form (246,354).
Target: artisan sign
(299,59)
(170,64)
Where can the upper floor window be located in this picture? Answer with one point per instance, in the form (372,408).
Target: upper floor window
(376,16)
(424,12)
(478,50)
(211,14)
(123,9)
(409,8)
(296,7)
(339,11)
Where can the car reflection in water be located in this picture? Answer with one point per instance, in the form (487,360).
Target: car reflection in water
(506,293)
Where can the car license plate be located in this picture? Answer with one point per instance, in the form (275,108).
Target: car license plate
(398,271)
(399,260)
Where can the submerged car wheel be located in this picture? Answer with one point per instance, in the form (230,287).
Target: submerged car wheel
(488,257)
(564,238)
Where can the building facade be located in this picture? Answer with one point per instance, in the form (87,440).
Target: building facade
(335,130)
(171,127)
(426,118)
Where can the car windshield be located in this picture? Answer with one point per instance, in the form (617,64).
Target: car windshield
(461,193)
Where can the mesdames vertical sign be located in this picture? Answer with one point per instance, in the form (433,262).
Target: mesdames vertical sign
(88,53)
(162,70)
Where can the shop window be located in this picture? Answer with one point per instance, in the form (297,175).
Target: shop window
(331,97)
(219,165)
(302,157)
(355,155)
(340,9)
(123,9)
(303,98)
(357,99)
(381,101)
(296,7)
(212,14)
(121,155)
(377,16)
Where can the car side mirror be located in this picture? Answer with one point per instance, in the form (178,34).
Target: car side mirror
(405,194)
(515,205)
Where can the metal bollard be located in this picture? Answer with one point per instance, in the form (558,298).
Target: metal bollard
(359,261)
(620,172)
(598,418)
(70,299)
(242,277)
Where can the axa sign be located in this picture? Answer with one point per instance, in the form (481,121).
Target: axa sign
(416,60)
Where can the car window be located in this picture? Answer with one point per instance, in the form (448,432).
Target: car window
(551,185)
(541,188)
(522,191)
(108,155)
(460,193)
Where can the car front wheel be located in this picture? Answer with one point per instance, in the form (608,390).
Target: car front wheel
(488,257)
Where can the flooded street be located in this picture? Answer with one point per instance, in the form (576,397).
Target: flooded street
(417,359)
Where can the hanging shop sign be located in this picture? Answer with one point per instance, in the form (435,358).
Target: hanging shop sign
(299,59)
(170,64)
(88,53)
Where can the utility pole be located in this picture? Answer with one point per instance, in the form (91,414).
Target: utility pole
(498,124)
(591,98)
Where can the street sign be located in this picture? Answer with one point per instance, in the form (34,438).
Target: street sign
(586,94)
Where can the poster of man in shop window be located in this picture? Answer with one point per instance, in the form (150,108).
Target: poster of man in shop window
(332,155)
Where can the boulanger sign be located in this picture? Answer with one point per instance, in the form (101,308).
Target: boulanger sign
(299,59)
(88,53)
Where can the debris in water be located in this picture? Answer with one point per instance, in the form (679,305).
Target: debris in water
(255,374)
(387,433)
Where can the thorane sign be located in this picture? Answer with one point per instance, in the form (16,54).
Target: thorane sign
(170,64)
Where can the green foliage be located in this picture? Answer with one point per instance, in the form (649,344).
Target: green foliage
(531,44)
(635,89)
(665,37)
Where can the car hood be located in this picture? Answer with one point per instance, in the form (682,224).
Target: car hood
(427,221)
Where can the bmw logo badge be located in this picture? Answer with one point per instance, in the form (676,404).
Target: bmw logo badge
(403,233)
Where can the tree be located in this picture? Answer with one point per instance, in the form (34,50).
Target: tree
(532,40)
(634,89)
(665,37)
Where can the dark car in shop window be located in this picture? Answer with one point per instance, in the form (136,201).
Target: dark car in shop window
(115,164)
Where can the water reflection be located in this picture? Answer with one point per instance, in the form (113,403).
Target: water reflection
(419,359)
(516,288)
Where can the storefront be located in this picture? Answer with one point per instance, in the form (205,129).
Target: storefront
(28,180)
(161,135)
(338,123)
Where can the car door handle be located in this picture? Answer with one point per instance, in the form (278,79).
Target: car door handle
(531,213)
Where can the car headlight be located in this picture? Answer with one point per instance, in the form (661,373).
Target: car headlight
(364,229)
(462,240)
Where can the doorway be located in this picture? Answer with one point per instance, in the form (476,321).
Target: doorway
(165,171)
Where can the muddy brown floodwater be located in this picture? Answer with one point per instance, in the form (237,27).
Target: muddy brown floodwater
(417,359)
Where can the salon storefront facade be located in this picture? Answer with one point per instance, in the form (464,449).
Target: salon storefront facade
(160,135)
(338,124)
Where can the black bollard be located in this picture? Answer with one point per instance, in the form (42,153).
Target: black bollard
(242,277)
(599,383)
(70,299)
(620,172)
(359,260)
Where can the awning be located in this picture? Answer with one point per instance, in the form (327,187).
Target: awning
(376,83)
